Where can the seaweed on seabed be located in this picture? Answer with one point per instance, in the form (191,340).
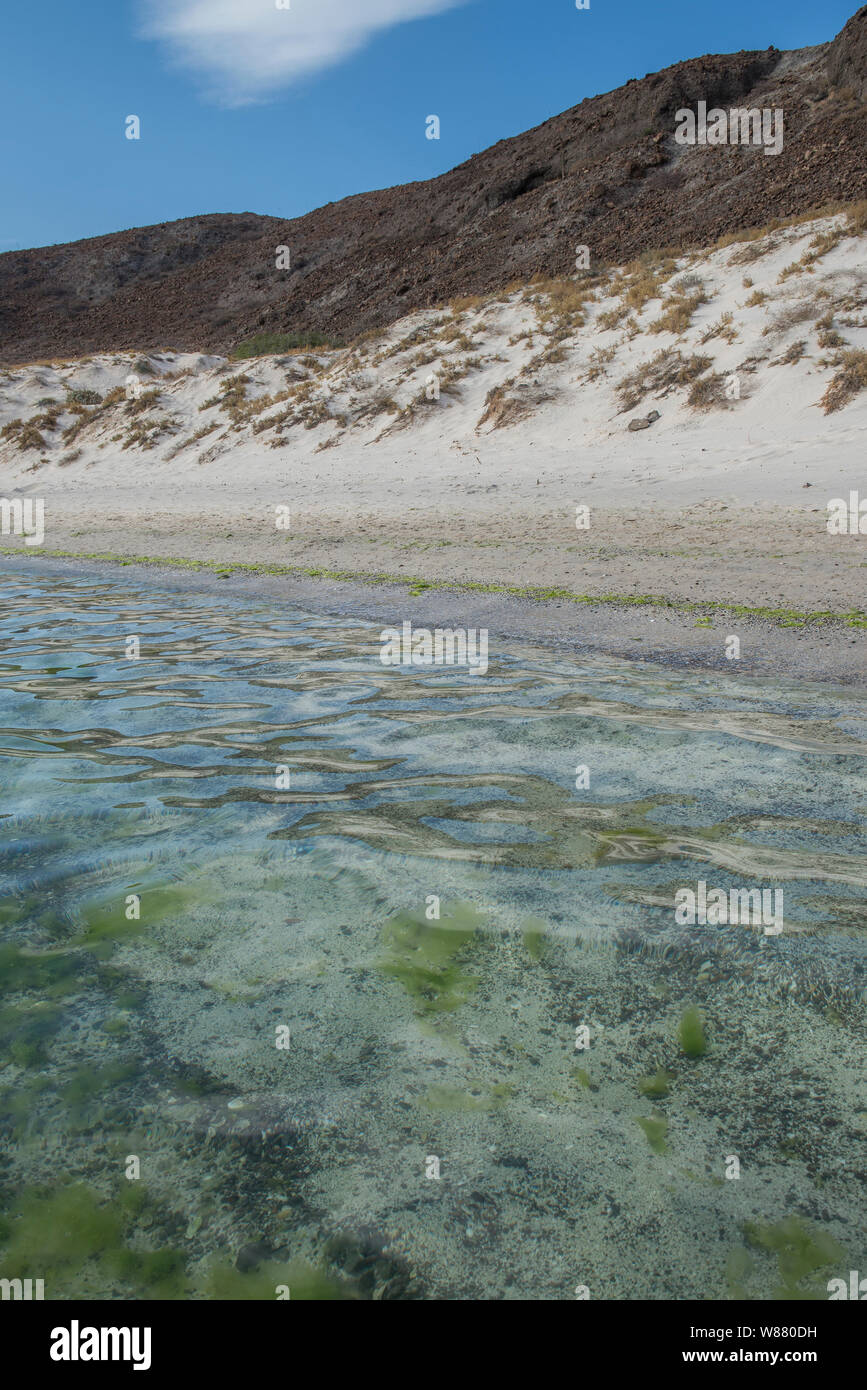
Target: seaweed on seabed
(423,957)
(691,1034)
(655,1129)
(655,1085)
(802,1250)
(78,1242)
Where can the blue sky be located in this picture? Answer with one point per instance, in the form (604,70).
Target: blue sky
(247,108)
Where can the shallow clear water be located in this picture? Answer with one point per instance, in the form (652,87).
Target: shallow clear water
(407,1039)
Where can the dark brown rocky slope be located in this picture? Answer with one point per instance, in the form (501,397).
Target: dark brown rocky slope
(607,173)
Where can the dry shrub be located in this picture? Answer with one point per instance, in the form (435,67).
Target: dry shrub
(554,354)
(494,403)
(708,392)
(466,302)
(752,251)
(856,222)
(641,282)
(723,328)
(380,403)
(792,354)
(146,434)
(82,396)
(597,363)
(737,238)
(793,314)
(503,409)
(48,420)
(822,243)
(504,412)
(30,438)
(827,335)
(667,370)
(689,281)
(563,302)
(848,381)
(612,318)
(678,312)
(795,268)
(641,290)
(453,332)
(143,402)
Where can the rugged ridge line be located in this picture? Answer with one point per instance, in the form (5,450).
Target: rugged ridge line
(607,173)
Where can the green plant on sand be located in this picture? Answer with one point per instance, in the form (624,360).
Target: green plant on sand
(691,1035)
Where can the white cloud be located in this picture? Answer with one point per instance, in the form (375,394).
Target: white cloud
(249,49)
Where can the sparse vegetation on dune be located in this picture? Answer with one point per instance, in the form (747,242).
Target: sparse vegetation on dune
(707,392)
(598,363)
(30,438)
(723,328)
(268,344)
(138,404)
(665,372)
(560,304)
(677,313)
(802,311)
(794,352)
(495,361)
(637,285)
(848,381)
(855,224)
(82,397)
(827,335)
(465,302)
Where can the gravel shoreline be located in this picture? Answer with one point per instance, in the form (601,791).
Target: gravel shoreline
(827,652)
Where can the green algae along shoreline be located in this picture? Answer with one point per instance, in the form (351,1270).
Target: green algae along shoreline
(799,644)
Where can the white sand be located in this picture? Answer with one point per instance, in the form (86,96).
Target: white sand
(703,504)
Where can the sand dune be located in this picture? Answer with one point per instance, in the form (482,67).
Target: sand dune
(459,444)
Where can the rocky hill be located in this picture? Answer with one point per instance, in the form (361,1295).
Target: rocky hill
(608,174)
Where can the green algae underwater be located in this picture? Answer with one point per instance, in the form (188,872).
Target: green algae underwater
(326,977)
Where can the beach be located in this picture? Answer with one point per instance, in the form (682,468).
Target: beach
(510,481)
(433,674)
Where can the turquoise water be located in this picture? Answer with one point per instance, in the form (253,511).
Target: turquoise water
(409,1044)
